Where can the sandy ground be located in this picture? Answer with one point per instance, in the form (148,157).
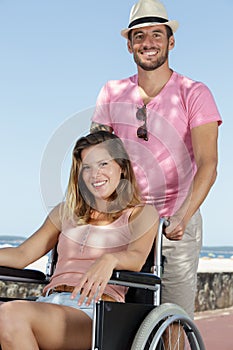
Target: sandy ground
(215,265)
(39,264)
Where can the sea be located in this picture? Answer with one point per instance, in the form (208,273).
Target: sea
(224,252)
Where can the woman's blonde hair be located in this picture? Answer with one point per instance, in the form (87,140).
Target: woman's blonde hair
(79,200)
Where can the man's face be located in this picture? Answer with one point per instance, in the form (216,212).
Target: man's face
(150,46)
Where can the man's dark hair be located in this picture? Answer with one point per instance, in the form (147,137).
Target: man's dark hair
(168,30)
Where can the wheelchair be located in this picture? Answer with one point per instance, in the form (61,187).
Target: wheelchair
(141,323)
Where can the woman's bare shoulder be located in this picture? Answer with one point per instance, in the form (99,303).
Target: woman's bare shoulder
(143,211)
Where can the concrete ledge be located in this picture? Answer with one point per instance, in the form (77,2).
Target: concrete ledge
(20,289)
(214,291)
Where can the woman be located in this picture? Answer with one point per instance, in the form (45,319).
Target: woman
(100,227)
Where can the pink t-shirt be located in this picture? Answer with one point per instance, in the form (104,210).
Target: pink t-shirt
(79,246)
(164,165)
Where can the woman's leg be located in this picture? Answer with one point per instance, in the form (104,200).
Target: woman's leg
(26,325)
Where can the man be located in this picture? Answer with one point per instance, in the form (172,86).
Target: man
(170,126)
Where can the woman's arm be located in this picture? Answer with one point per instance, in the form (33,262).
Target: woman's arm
(37,245)
(143,224)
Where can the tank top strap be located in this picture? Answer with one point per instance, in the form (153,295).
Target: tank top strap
(129,211)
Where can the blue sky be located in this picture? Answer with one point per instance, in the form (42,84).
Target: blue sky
(56,55)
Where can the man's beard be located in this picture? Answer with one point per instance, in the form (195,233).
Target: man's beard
(149,66)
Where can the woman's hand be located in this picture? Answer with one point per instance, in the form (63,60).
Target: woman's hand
(94,281)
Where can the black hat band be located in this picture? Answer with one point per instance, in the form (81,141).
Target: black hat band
(147,20)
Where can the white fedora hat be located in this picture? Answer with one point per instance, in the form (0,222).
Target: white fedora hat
(148,13)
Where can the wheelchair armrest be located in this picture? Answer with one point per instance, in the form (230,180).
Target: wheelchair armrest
(135,279)
(22,275)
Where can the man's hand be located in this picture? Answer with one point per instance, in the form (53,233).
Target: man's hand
(175,230)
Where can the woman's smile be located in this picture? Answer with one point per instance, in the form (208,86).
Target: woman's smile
(99,184)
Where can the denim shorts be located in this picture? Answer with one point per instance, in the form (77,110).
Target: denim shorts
(64,299)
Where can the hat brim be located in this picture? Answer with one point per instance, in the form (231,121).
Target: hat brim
(172,24)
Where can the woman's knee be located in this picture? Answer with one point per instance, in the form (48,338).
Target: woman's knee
(7,322)
(7,310)
(11,313)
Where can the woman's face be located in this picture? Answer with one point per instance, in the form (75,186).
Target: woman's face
(100,172)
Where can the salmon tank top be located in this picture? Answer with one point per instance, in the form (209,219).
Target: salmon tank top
(80,245)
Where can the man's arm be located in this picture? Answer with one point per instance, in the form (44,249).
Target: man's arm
(96,127)
(204,142)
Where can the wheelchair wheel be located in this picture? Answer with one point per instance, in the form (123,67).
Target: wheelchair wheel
(168,327)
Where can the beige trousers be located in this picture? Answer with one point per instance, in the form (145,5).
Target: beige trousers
(179,279)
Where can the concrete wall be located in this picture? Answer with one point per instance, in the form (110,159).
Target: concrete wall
(214,291)
(20,290)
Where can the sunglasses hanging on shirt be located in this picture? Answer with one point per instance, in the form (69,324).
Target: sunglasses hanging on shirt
(141,115)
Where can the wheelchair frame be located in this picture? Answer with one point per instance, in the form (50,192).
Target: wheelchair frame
(140,323)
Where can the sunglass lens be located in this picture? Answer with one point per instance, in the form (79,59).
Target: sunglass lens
(141,114)
(142,133)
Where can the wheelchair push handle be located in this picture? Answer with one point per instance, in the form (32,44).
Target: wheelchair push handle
(166,222)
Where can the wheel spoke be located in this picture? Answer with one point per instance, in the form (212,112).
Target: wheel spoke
(168,327)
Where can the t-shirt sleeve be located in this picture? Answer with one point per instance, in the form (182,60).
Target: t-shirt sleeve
(202,106)
(101,113)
